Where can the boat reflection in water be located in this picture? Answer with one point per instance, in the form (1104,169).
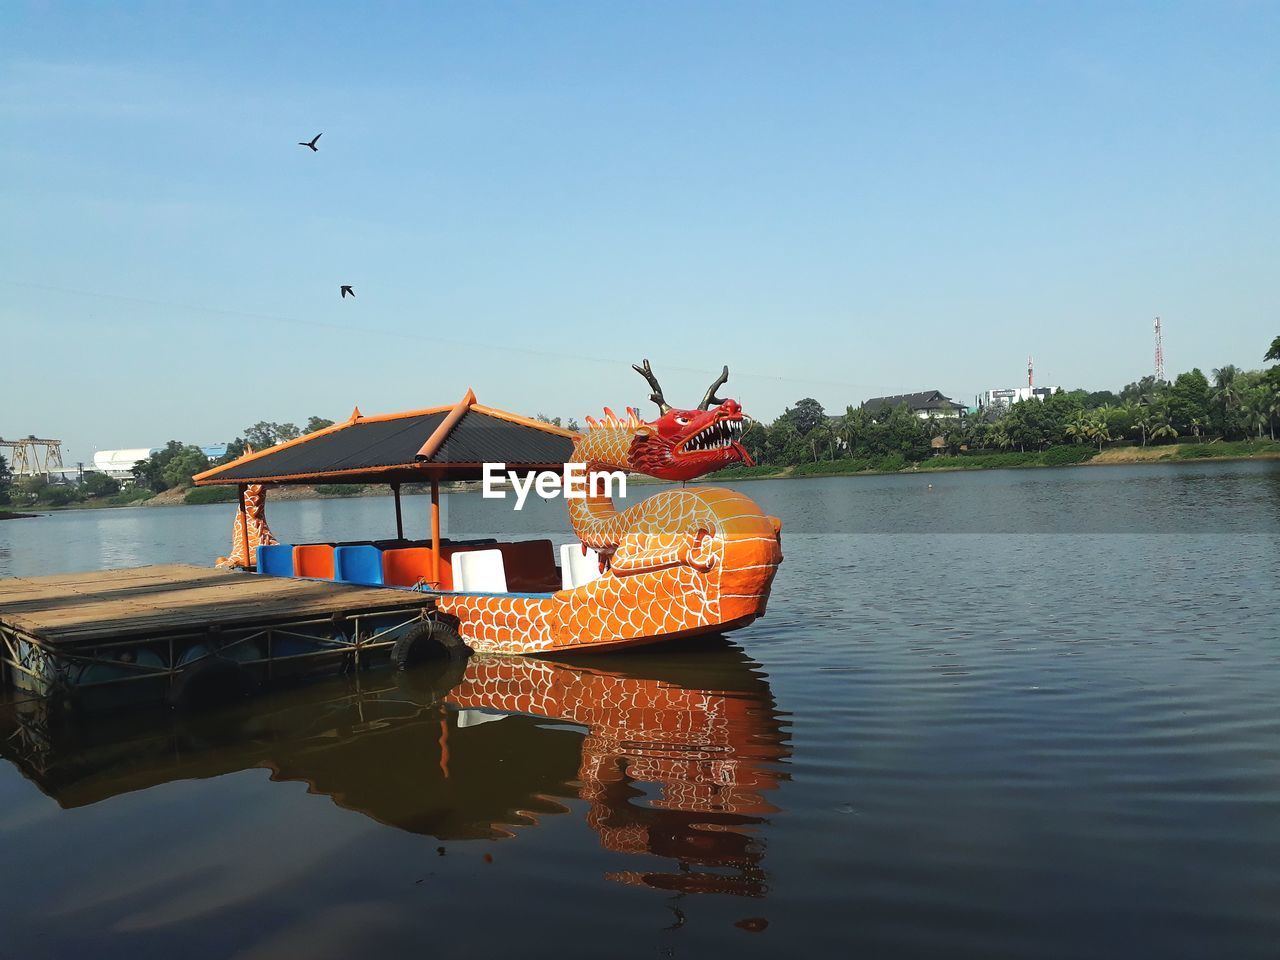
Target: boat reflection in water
(676,756)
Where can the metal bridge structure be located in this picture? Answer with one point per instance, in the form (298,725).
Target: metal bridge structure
(32,456)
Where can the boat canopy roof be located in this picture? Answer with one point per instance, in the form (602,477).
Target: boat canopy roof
(438,443)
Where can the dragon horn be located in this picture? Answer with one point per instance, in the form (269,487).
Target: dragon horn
(711,397)
(647,372)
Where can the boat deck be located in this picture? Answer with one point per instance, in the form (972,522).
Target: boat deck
(70,610)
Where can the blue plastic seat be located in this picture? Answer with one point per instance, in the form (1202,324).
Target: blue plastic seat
(358,564)
(276,560)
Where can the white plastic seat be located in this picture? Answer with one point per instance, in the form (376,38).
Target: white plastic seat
(577,568)
(479,571)
(473,717)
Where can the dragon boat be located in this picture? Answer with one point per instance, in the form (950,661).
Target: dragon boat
(683,562)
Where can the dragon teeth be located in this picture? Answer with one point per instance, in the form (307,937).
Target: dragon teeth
(717,436)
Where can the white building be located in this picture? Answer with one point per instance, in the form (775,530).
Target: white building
(1006,396)
(119,464)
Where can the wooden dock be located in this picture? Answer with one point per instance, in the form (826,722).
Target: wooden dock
(75,631)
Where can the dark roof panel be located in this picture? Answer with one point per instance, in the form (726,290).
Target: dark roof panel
(924,400)
(481,438)
(380,443)
(387,448)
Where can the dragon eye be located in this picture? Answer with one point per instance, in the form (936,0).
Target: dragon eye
(683,421)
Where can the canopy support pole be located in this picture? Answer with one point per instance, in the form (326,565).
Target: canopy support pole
(435,533)
(395,488)
(244,527)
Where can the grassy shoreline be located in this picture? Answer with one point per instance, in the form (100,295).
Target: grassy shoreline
(1215,452)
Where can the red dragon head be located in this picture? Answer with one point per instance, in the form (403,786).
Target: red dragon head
(683,444)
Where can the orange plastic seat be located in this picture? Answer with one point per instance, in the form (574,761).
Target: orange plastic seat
(313,560)
(405,566)
(408,566)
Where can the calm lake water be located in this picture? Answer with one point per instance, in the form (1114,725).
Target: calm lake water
(1012,714)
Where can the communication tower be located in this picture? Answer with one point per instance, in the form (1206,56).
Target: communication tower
(1159,352)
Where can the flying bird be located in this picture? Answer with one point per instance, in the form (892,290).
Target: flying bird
(346,289)
(311,143)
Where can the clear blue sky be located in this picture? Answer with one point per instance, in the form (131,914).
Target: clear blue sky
(838,200)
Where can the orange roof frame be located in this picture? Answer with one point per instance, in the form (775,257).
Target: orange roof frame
(427,450)
(441,433)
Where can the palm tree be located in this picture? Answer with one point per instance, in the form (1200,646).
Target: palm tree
(1274,352)
(1259,419)
(1227,396)
(1143,425)
(819,439)
(976,431)
(1227,386)
(852,427)
(1077,428)
(1000,437)
(1258,411)
(1161,427)
(1098,429)
(931,427)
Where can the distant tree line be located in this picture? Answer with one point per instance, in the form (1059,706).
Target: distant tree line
(176,463)
(1231,404)
(171,466)
(30,491)
(570,424)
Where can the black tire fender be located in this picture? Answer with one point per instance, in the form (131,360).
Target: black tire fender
(209,682)
(430,639)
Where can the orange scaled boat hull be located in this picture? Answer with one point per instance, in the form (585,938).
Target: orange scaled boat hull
(694,561)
